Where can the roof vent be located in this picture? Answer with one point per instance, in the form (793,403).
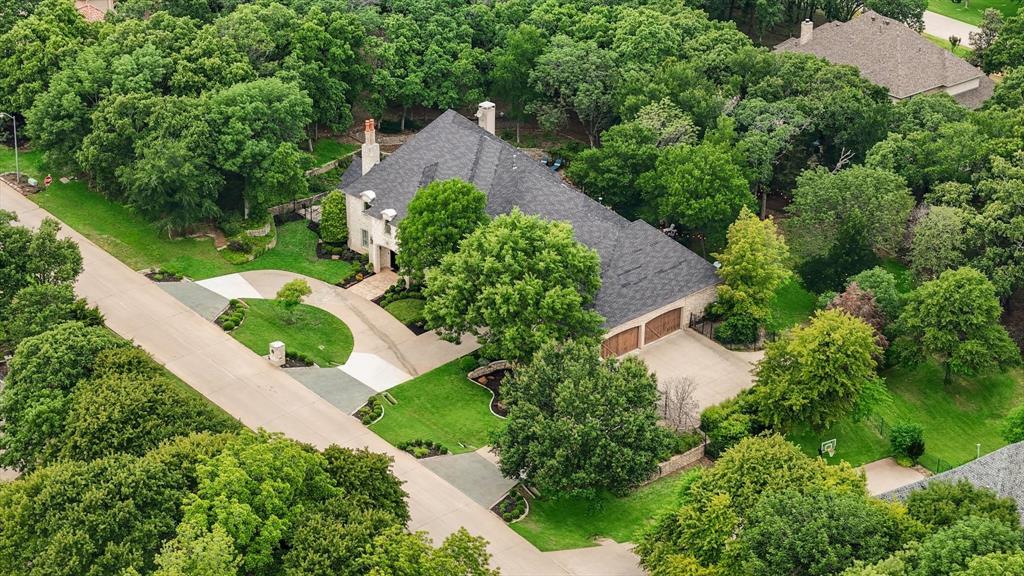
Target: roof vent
(368,196)
(389,214)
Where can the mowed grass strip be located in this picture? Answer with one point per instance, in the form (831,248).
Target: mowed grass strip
(564,523)
(956,418)
(972,11)
(309,330)
(443,406)
(792,305)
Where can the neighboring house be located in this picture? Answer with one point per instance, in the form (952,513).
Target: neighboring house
(650,283)
(893,55)
(1001,471)
(94,10)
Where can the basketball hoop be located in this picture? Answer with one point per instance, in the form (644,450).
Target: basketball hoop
(829,447)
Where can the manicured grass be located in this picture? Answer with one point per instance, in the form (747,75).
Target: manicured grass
(30,162)
(407,310)
(955,418)
(565,523)
(793,304)
(971,11)
(443,406)
(138,243)
(961,50)
(326,150)
(308,330)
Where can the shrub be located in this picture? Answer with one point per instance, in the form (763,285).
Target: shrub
(740,329)
(333,226)
(825,298)
(907,440)
(228,325)
(1013,425)
(725,425)
(371,411)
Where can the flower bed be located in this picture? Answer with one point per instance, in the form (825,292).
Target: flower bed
(406,305)
(493,382)
(512,507)
(161,275)
(372,411)
(297,360)
(422,448)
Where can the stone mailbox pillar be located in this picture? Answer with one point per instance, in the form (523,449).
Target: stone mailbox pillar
(277,353)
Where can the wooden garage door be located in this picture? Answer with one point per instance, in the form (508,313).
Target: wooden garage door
(662,325)
(621,343)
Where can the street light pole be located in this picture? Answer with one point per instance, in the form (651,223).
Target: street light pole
(17,166)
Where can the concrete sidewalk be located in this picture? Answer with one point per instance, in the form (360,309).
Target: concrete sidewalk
(262,396)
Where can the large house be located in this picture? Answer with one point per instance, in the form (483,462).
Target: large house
(650,283)
(893,55)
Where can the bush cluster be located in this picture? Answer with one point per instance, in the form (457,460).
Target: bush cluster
(422,448)
(372,410)
(738,329)
(512,507)
(233,317)
(398,292)
(907,441)
(725,425)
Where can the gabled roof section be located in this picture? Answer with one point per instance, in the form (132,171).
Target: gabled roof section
(1001,471)
(641,268)
(888,53)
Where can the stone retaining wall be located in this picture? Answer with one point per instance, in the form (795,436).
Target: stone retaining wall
(490,368)
(679,462)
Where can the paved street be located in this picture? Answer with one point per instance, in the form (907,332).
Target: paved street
(944,27)
(262,396)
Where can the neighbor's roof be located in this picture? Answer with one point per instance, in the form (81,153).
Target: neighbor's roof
(1001,471)
(888,53)
(89,12)
(641,268)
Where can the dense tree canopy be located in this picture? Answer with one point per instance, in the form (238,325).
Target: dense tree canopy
(754,264)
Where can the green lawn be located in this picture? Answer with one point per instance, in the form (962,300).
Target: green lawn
(575,522)
(308,330)
(31,162)
(407,310)
(970,11)
(955,418)
(326,150)
(961,50)
(443,406)
(793,304)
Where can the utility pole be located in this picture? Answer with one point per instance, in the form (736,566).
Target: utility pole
(17,166)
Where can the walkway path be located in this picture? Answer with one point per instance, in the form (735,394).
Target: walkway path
(262,396)
(944,27)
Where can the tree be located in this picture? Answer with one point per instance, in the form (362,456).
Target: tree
(823,200)
(291,294)
(440,215)
(948,550)
(1013,425)
(333,222)
(1009,93)
(515,283)
(37,46)
(610,173)
(1007,50)
(35,400)
(513,61)
(982,40)
(907,440)
(819,533)
(578,76)
(1005,564)
(580,425)
(196,553)
(39,307)
(399,552)
(31,258)
(754,265)
(955,318)
(940,504)
(332,538)
(938,243)
(368,474)
(819,373)
(861,304)
(699,187)
(882,285)
(910,12)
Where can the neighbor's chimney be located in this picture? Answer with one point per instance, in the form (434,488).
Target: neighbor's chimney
(485,116)
(806,31)
(371,150)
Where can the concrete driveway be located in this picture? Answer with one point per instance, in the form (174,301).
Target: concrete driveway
(886,475)
(719,373)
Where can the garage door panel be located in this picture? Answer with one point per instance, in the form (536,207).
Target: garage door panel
(620,343)
(663,325)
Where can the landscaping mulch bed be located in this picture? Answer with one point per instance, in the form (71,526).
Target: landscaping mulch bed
(163,276)
(232,317)
(423,448)
(512,507)
(325,251)
(296,361)
(492,382)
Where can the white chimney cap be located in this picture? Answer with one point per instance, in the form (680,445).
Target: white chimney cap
(368,195)
(388,214)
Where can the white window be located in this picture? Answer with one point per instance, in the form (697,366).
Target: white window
(366,238)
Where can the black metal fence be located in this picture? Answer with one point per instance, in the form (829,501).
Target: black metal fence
(703,325)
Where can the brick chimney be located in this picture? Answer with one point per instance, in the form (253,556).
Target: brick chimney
(485,116)
(371,150)
(806,31)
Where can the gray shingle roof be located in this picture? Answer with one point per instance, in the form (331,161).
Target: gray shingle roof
(1001,471)
(888,53)
(641,268)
